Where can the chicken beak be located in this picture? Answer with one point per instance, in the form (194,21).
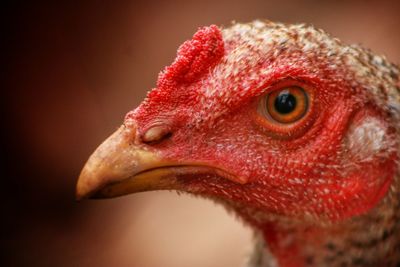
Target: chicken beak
(122,164)
(119,166)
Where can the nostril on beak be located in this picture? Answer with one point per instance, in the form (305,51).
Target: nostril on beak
(156,134)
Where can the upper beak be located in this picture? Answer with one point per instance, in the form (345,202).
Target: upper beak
(120,166)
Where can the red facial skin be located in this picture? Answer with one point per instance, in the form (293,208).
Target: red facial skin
(303,170)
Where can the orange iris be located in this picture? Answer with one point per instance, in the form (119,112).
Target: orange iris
(287,105)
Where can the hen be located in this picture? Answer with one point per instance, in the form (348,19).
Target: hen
(293,130)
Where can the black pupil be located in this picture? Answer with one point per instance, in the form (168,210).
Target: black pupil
(285,103)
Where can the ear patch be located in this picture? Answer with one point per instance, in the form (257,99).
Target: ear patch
(194,57)
(366,138)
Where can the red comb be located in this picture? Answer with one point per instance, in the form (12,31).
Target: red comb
(194,57)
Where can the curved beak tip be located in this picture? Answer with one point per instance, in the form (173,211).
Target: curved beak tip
(105,165)
(82,191)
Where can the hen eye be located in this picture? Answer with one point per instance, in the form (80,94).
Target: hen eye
(287,105)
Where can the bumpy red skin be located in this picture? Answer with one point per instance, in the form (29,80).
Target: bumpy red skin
(305,172)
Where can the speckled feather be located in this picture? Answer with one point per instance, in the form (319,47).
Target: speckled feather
(324,192)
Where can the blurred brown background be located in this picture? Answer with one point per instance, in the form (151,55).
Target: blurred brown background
(72,70)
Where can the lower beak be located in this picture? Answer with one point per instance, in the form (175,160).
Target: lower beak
(119,166)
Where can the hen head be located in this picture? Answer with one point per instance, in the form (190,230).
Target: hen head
(273,120)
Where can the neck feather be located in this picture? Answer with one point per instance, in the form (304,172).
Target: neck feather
(371,239)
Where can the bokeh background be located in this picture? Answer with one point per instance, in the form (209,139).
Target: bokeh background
(71,71)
